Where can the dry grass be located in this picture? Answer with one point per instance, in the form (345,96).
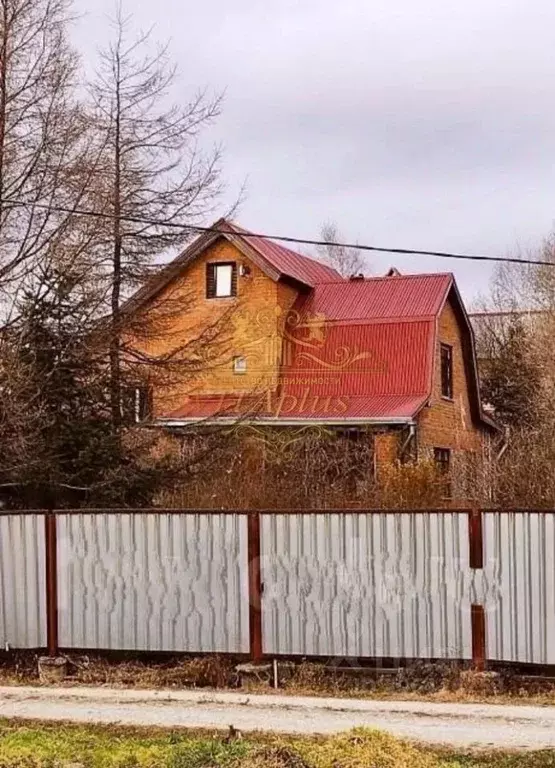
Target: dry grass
(445,682)
(195,672)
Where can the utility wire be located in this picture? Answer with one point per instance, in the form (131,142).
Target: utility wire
(281,238)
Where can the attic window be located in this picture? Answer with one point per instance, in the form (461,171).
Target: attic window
(221,280)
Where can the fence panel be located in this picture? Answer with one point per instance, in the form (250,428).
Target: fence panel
(22,581)
(367,585)
(157,582)
(519,586)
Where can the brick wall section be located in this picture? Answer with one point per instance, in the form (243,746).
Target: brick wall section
(286,298)
(445,423)
(251,328)
(386,449)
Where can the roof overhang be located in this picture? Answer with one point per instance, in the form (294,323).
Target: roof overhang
(353,421)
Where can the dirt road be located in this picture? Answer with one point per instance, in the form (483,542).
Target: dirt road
(483,725)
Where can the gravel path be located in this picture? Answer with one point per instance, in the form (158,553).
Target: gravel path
(462,725)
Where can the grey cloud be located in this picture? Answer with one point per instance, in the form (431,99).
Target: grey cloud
(418,123)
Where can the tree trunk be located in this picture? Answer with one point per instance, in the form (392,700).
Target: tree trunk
(3,99)
(115,362)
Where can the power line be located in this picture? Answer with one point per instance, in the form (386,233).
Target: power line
(283,238)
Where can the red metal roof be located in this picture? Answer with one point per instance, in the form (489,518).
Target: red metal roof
(209,406)
(281,407)
(359,360)
(381,407)
(377,298)
(287,262)
(356,349)
(351,371)
(368,342)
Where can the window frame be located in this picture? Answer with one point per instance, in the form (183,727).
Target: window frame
(442,460)
(136,403)
(446,370)
(212,268)
(235,360)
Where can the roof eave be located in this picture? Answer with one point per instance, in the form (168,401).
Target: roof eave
(288,422)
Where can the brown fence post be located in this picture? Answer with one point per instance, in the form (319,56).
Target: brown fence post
(478,620)
(476,539)
(477,613)
(255,586)
(51,583)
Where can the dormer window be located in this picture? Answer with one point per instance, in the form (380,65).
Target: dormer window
(221,280)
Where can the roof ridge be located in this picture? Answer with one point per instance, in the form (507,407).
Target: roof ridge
(376,278)
(317,261)
(243,231)
(303,260)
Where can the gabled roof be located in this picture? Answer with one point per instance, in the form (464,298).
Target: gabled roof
(276,261)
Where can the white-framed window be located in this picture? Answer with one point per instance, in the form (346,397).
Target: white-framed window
(221,280)
(239,364)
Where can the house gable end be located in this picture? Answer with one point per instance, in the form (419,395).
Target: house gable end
(276,262)
(454,419)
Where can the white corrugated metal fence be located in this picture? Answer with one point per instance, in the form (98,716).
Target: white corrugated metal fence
(342,584)
(22,581)
(153,582)
(367,585)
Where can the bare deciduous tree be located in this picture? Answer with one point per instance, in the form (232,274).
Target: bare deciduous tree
(153,175)
(43,137)
(347,261)
(515,334)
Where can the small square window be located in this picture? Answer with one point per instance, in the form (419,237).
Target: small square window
(239,365)
(442,457)
(446,371)
(221,280)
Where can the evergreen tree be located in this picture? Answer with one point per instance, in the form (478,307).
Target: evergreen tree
(511,379)
(63,450)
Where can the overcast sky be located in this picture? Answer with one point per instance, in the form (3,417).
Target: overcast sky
(411,123)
